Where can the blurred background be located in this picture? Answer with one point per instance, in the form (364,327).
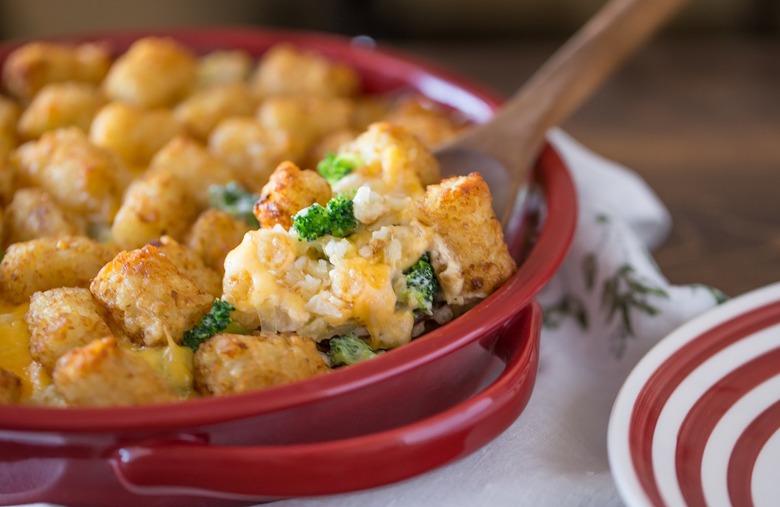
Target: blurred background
(696,113)
(379,18)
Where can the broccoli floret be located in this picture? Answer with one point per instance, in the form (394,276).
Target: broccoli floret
(348,349)
(334,167)
(337,218)
(342,216)
(216,321)
(421,285)
(234,200)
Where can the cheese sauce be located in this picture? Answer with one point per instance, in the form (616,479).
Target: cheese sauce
(15,349)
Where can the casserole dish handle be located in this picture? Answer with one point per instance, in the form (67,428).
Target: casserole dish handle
(269,472)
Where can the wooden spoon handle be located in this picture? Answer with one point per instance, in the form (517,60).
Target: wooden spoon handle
(566,80)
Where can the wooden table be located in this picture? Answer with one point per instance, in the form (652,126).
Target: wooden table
(700,121)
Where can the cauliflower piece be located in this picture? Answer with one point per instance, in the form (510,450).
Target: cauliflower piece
(394,161)
(213,235)
(230,364)
(48,263)
(60,320)
(189,263)
(103,374)
(252,150)
(369,206)
(148,297)
(60,105)
(155,205)
(134,133)
(223,67)
(154,72)
(285,70)
(34,65)
(83,178)
(194,167)
(10,387)
(469,254)
(33,214)
(288,191)
(204,109)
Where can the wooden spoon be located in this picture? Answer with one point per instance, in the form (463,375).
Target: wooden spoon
(504,149)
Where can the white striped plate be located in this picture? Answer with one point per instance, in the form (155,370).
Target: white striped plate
(698,420)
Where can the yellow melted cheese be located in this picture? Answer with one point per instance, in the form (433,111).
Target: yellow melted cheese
(15,350)
(173,361)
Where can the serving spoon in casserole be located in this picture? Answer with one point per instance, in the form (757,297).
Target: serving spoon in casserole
(504,148)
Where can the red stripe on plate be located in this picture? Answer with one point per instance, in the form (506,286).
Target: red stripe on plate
(696,429)
(665,379)
(746,451)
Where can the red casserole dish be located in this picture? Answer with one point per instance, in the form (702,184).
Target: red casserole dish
(415,406)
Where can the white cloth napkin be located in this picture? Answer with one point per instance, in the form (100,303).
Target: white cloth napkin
(605,308)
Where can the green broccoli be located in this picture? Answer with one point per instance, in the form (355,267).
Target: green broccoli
(216,321)
(234,200)
(421,285)
(337,218)
(348,349)
(342,216)
(334,167)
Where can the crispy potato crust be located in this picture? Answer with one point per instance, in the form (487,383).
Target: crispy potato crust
(288,191)
(60,320)
(102,374)
(148,297)
(470,257)
(229,363)
(213,235)
(47,263)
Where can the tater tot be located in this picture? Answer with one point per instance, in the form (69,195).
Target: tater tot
(305,118)
(154,72)
(60,320)
(48,263)
(252,150)
(223,67)
(134,133)
(469,255)
(229,364)
(155,205)
(33,66)
(7,181)
(60,105)
(148,297)
(213,235)
(10,387)
(84,178)
(288,191)
(33,214)
(9,116)
(103,374)
(203,110)
(430,124)
(285,70)
(191,265)
(194,167)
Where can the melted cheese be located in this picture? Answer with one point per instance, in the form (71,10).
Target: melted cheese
(174,362)
(15,350)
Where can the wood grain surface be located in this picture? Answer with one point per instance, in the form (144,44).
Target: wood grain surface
(699,120)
